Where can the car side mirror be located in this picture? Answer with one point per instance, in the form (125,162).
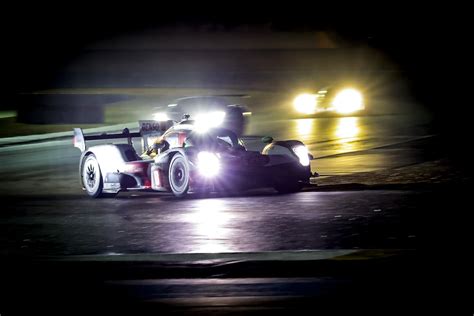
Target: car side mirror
(267,139)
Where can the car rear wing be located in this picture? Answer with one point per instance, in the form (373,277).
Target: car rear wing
(147,129)
(80,139)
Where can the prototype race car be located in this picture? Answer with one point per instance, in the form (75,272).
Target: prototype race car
(218,110)
(330,101)
(189,158)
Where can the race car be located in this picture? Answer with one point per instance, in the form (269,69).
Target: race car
(189,158)
(218,110)
(330,101)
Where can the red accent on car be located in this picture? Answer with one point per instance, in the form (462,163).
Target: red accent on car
(147,184)
(136,167)
(181,138)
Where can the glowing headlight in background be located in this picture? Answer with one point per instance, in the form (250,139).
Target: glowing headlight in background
(208,164)
(208,120)
(348,101)
(305,103)
(160,116)
(302,154)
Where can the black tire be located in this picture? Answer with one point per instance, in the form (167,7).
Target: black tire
(284,187)
(92,177)
(178,175)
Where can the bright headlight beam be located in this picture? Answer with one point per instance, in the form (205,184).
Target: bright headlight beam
(305,103)
(160,116)
(208,164)
(302,153)
(205,121)
(348,101)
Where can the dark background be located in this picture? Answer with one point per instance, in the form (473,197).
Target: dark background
(39,39)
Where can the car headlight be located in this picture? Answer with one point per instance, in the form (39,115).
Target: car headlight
(302,153)
(204,121)
(160,116)
(348,101)
(305,103)
(208,164)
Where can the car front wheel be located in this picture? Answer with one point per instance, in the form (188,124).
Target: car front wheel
(179,175)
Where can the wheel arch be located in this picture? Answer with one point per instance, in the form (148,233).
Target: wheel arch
(165,158)
(164,161)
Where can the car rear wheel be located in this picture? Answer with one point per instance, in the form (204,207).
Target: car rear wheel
(92,177)
(179,175)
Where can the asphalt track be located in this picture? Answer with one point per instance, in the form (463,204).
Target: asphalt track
(256,252)
(46,213)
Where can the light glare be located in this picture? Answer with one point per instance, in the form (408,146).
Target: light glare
(205,121)
(160,116)
(208,164)
(348,101)
(302,154)
(305,103)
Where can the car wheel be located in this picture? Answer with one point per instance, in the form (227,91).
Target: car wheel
(179,175)
(92,177)
(288,187)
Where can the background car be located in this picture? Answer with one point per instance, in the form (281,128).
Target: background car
(216,110)
(331,100)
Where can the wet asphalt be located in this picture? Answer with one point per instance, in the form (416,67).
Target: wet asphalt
(46,213)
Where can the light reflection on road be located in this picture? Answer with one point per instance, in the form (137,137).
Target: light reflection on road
(211,225)
(328,138)
(304,127)
(347,127)
(347,130)
(336,134)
